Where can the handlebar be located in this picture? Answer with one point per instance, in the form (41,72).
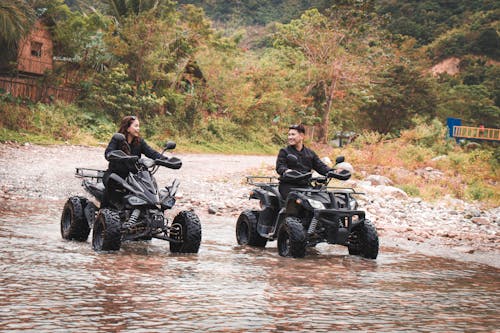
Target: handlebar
(119,155)
(295,175)
(171,163)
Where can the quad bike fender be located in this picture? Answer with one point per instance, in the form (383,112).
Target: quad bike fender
(95,189)
(263,196)
(296,204)
(90,211)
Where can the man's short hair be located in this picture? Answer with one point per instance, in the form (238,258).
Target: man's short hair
(298,127)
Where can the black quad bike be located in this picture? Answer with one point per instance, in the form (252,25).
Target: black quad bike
(138,214)
(307,216)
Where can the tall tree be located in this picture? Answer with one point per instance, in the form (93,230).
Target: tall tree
(16,19)
(337,50)
(321,46)
(401,94)
(120,9)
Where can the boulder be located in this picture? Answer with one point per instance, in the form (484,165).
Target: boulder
(480,220)
(327,160)
(345,166)
(391,191)
(472,146)
(378,180)
(472,212)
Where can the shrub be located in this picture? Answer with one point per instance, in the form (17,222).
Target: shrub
(478,191)
(410,189)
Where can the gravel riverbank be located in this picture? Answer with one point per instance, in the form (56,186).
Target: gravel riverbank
(213,184)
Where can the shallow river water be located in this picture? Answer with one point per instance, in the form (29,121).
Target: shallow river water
(51,285)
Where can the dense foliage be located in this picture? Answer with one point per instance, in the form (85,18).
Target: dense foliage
(232,80)
(258,12)
(428,20)
(346,65)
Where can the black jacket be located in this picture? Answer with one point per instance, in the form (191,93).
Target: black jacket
(308,160)
(122,169)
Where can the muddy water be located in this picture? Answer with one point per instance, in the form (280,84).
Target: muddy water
(51,285)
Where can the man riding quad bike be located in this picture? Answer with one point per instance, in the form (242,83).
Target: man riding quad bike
(137,214)
(307,216)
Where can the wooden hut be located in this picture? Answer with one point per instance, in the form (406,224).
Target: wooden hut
(34,55)
(21,69)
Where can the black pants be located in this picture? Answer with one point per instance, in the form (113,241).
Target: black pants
(286,188)
(111,190)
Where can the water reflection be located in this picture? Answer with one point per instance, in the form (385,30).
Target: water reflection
(51,285)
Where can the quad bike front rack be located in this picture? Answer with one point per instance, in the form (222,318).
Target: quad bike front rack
(93,175)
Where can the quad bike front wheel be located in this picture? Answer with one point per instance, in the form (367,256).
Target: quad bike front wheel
(186,229)
(106,235)
(363,241)
(292,238)
(74,225)
(246,230)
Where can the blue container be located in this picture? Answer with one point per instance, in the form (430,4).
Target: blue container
(452,122)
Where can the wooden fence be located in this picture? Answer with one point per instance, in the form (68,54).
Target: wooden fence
(28,87)
(479,133)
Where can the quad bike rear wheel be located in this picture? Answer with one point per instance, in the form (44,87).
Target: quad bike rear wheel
(246,229)
(186,228)
(106,235)
(363,241)
(74,225)
(292,238)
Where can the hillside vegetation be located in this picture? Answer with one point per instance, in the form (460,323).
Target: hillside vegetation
(230,76)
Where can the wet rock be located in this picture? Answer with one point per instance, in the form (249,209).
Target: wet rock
(416,238)
(472,212)
(464,249)
(480,220)
(215,209)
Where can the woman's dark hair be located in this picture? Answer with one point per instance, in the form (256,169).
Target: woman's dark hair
(124,125)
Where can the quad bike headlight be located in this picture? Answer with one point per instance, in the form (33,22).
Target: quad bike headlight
(316,204)
(353,204)
(135,201)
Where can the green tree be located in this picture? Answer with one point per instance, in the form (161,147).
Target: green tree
(121,9)
(113,92)
(400,94)
(16,19)
(474,104)
(337,51)
(321,46)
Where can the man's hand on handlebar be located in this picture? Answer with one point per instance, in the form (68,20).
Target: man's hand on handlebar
(341,174)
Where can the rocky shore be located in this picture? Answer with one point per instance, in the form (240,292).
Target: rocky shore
(215,184)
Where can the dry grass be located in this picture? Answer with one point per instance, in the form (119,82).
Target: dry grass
(427,165)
